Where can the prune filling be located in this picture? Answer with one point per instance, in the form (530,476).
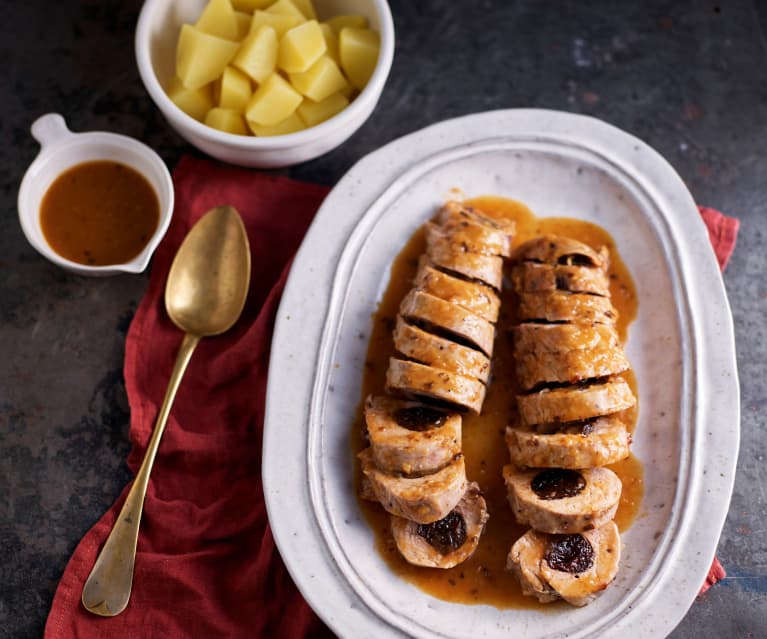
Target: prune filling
(571,553)
(575,259)
(557,483)
(419,417)
(446,535)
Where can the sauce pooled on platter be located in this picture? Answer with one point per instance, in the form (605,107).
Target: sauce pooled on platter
(483,579)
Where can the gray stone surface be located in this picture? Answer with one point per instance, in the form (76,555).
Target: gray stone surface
(689,78)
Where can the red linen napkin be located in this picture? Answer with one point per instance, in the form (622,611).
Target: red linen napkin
(207,565)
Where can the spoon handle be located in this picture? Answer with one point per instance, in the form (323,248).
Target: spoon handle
(108,587)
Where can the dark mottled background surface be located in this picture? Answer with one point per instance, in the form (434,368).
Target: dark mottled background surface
(688,77)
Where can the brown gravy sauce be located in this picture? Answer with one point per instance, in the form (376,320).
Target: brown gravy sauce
(99,213)
(483,579)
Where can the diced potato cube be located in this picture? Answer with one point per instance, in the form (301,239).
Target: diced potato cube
(301,47)
(227,120)
(286,7)
(193,102)
(280,22)
(342,22)
(307,8)
(258,54)
(315,112)
(291,124)
(233,90)
(250,5)
(243,23)
(201,57)
(331,42)
(320,80)
(218,19)
(273,101)
(358,49)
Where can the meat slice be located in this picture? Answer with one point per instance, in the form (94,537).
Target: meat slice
(534,369)
(562,501)
(474,297)
(409,437)
(439,352)
(575,568)
(471,230)
(602,441)
(531,277)
(557,338)
(422,499)
(411,379)
(561,306)
(555,249)
(447,542)
(454,210)
(575,403)
(420,307)
(455,257)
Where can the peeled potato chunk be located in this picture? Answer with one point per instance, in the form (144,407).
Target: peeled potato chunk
(342,22)
(227,120)
(358,49)
(243,23)
(286,7)
(320,80)
(201,57)
(301,47)
(307,8)
(258,54)
(280,22)
(315,112)
(233,89)
(291,124)
(193,102)
(331,42)
(219,19)
(273,101)
(250,5)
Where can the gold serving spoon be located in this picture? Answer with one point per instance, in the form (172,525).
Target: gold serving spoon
(206,290)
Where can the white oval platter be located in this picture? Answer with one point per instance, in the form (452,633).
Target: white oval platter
(681,346)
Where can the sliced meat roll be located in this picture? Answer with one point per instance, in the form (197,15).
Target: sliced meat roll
(572,567)
(531,277)
(554,249)
(439,352)
(410,438)
(575,403)
(423,308)
(465,228)
(557,338)
(411,379)
(561,306)
(453,256)
(588,444)
(562,501)
(421,499)
(447,542)
(534,369)
(474,297)
(453,211)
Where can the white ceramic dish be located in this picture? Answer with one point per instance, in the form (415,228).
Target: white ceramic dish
(155,43)
(681,346)
(61,149)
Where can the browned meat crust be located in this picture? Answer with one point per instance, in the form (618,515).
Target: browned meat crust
(561,306)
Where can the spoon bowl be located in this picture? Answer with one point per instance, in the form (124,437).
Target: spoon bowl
(205,293)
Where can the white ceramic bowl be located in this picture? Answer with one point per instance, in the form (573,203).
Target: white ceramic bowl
(60,150)
(157,33)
